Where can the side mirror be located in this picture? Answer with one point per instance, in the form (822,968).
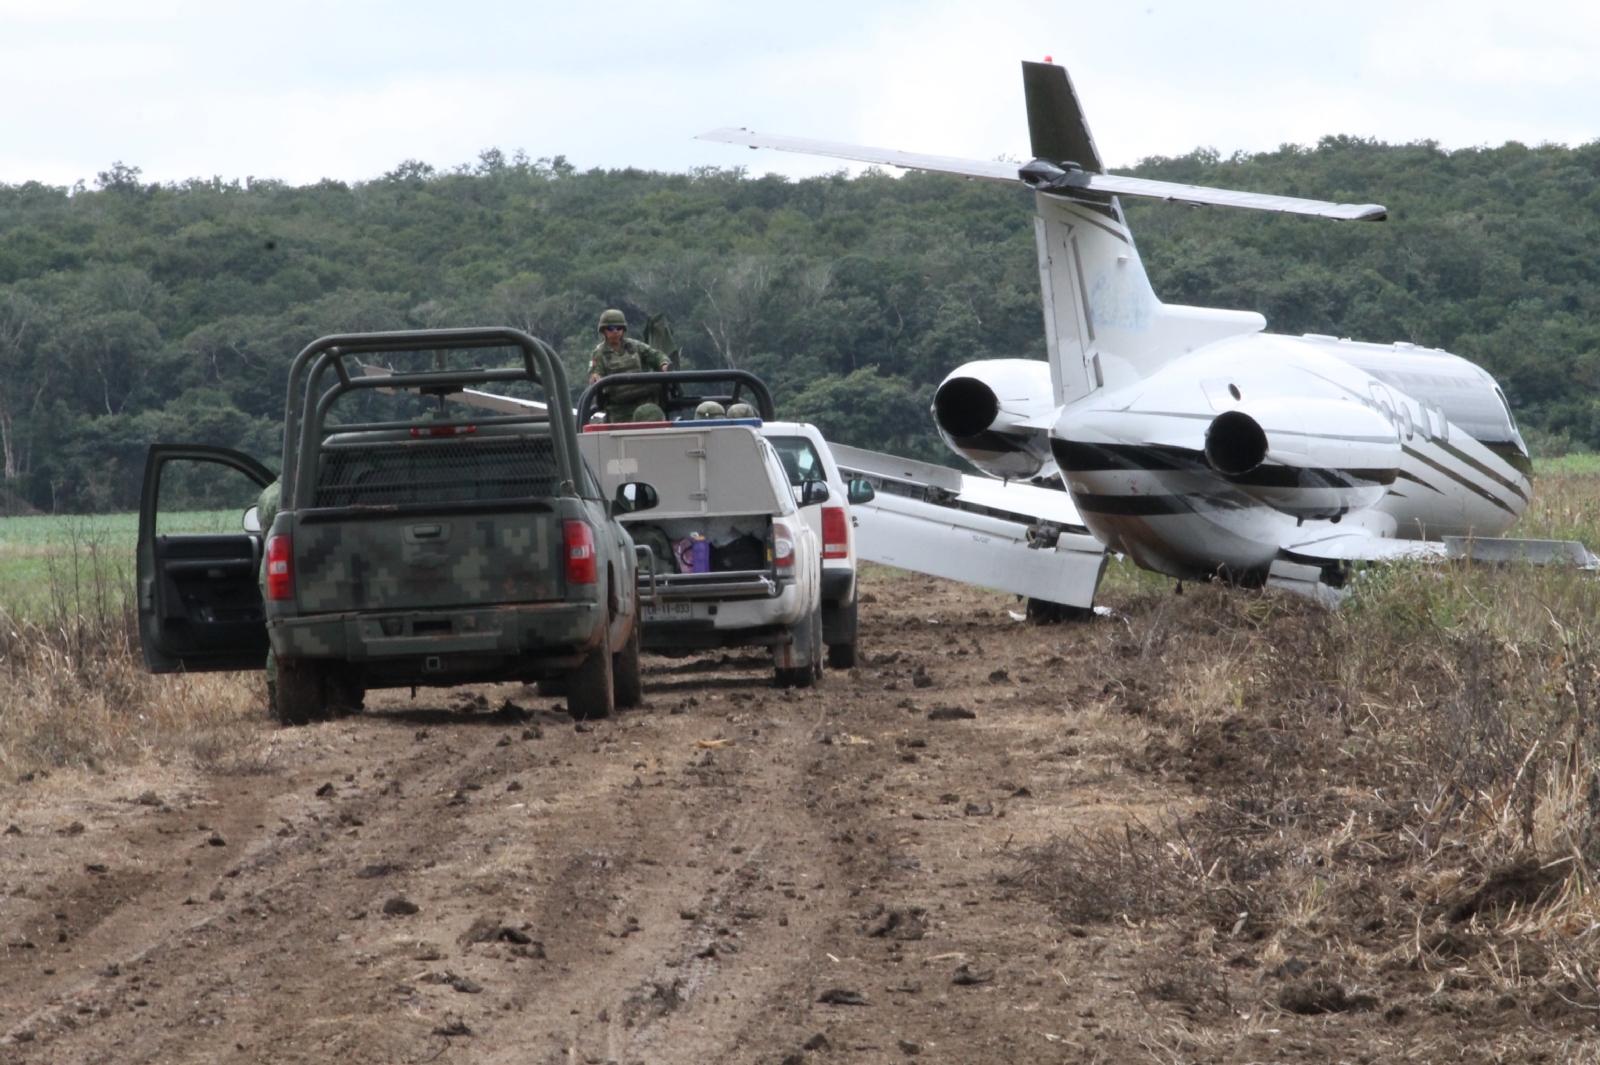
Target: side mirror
(814,492)
(636,496)
(860,491)
(252,520)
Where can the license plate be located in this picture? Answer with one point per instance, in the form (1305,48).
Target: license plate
(668,612)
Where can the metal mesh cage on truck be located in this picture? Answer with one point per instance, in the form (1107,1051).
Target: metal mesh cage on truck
(436,471)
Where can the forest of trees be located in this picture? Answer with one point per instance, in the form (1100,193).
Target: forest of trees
(134,312)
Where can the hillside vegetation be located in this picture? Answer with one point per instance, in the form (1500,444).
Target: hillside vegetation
(133,312)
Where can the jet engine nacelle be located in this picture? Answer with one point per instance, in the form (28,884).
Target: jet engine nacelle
(1310,458)
(985,412)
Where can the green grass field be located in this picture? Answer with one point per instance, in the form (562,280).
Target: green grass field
(1566,506)
(63,551)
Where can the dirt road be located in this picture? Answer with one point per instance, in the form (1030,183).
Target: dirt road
(732,874)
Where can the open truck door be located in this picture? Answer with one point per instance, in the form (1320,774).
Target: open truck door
(199,557)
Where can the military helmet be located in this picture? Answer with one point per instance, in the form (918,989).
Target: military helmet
(710,409)
(741,410)
(612,317)
(649,412)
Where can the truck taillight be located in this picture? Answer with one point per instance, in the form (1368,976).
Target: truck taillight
(782,547)
(579,539)
(835,533)
(280,567)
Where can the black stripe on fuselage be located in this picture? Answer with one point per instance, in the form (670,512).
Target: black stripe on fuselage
(1465,482)
(1405,475)
(1456,452)
(1135,505)
(1075,457)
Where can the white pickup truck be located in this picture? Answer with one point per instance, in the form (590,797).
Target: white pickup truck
(808,460)
(737,564)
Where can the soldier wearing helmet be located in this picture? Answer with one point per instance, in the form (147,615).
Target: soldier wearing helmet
(618,353)
(709,409)
(741,410)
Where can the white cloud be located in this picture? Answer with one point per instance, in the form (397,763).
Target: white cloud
(303,90)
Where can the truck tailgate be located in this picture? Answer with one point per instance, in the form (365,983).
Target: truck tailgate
(424,562)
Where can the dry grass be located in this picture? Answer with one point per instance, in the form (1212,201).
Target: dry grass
(74,691)
(1402,793)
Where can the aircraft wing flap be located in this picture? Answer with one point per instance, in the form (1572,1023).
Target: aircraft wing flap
(1014,537)
(959,545)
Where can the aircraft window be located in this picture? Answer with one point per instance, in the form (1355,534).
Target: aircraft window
(1405,420)
(800,460)
(1472,403)
(1506,404)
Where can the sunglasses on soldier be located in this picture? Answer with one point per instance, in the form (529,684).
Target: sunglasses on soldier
(613,329)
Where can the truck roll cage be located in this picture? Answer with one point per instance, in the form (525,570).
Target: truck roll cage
(673,398)
(302,435)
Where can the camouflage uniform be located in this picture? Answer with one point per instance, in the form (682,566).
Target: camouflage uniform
(633,357)
(267,510)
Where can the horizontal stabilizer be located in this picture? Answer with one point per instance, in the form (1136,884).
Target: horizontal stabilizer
(943,164)
(1052,179)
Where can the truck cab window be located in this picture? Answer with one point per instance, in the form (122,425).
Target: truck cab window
(800,460)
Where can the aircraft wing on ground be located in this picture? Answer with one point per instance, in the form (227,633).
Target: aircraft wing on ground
(998,534)
(1299,567)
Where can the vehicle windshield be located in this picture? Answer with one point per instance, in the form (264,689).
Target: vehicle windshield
(800,460)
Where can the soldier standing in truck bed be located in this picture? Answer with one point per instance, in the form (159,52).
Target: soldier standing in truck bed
(618,353)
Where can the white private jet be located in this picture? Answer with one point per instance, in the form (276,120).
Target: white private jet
(1187,437)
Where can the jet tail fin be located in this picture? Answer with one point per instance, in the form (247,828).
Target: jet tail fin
(1056,126)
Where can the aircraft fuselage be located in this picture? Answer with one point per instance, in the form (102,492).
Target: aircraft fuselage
(1223,456)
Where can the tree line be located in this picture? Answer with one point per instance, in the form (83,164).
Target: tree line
(135,312)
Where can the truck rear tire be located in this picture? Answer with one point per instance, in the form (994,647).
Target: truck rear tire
(299,694)
(591,688)
(626,678)
(807,638)
(843,655)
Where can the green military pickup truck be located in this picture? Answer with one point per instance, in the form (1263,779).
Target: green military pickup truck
(413,545)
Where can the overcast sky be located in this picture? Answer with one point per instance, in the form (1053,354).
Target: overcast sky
(302,90)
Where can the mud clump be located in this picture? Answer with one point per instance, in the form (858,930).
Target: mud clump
(1311,997)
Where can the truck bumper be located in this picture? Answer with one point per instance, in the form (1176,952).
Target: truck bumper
(528,640)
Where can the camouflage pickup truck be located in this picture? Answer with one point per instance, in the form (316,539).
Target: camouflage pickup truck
(413,545)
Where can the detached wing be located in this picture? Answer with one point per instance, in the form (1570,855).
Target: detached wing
(1072,179)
